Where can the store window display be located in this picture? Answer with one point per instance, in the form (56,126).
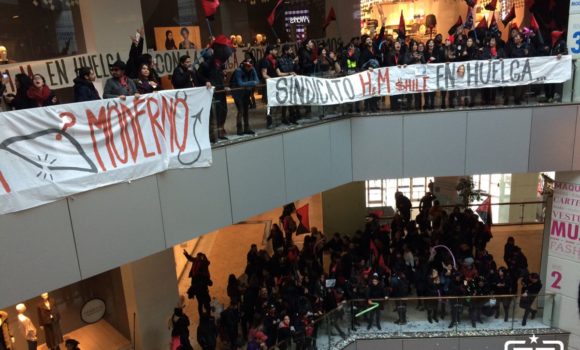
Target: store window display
(49,320)
(3,55)
(26,327)
(6,338)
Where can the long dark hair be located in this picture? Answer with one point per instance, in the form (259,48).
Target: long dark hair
(23,81)
(169,43)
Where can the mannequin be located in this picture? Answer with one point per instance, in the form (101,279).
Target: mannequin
(26,327)
(49,320)
(6,338)
(3,55)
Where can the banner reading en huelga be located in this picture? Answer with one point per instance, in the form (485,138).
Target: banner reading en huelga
(49,153)
(301,90)
(565,225)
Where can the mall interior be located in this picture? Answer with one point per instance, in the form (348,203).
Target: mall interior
(108,265)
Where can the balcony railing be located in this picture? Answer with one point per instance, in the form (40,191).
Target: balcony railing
(474,315)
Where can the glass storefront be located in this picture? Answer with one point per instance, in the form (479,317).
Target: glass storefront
(38,29)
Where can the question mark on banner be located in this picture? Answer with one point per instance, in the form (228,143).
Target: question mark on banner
(69,120)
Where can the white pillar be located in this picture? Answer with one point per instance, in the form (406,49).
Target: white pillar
(150,287)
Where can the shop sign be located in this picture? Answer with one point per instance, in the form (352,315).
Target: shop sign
(389,81)
(565,225)
(574,35)
(574,7)
(93,311)
(49,153)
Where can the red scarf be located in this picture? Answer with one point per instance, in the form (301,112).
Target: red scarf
(272,61)
(124,83)
(493,52)
(38,95)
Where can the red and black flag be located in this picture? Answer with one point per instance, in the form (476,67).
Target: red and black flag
(210,8)
(493,27)
(468,19)
(481,28)
(272,16)
(331,17)
(457,24)
(491,6)
(484,212)
(303,220)
(510,16)
(401,29)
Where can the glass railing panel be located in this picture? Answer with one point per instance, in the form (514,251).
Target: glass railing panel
(409,317)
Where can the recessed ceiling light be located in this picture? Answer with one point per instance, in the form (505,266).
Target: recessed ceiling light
(15,17)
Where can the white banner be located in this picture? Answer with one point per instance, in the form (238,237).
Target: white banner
(301,90)
(565,225)
(53,152)
(60,72)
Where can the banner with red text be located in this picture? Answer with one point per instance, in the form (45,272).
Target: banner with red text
(53,152)
(565,225)
(420,78)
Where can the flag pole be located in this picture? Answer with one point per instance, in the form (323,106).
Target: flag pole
(275,34)
(337,25)
(209,26)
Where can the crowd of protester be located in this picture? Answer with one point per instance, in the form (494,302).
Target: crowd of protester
(281,295)
(139,75)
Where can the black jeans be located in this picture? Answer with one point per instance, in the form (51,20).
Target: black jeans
(221,108)
(242,105)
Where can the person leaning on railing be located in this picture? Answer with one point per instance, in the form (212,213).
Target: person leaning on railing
(268,69)
(558,48)
(243,80)
(84,89)
(288,66)
(119,85)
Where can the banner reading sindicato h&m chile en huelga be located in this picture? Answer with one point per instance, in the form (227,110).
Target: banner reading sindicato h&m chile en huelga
(52,152)
(387,81)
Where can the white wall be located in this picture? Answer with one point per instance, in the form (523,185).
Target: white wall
(67,241)
(567,313)
(107,24)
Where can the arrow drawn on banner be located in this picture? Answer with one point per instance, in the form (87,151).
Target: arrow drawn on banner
(45,163)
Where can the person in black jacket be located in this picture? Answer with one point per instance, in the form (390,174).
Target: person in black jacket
(84,89)
(230,320)
(491,51)
(306,58)
(518,49)
(20,100)
(403,206)
(399,288)
(180,328)
(375,291)
(530,289)
(184,76)
(207,332)
(368,60)
(502,286)
(554,91)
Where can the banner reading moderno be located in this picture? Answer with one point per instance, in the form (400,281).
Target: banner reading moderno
(565,225)
(387,81)
(53,152)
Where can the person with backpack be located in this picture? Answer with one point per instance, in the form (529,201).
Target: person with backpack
(243,80)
